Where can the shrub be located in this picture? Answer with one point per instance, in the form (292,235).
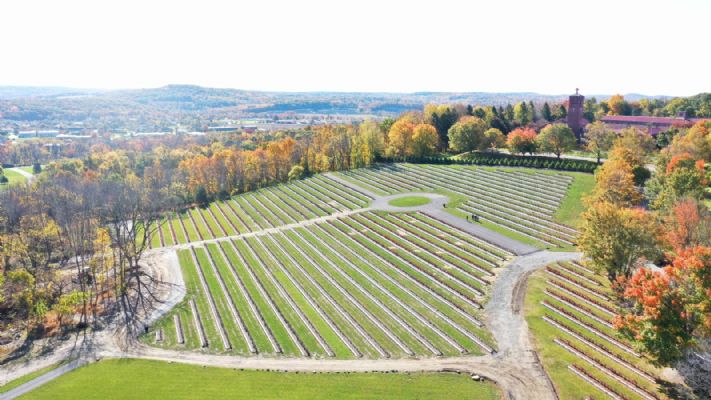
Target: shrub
(508,160)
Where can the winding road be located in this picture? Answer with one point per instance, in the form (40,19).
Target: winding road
(515,368)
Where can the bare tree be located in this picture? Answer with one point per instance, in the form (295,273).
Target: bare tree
(133,213)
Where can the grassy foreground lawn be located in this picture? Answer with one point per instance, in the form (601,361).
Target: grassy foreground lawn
(131,379)
(24,379)
(409,201)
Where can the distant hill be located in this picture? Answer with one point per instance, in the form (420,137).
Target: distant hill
(175,103)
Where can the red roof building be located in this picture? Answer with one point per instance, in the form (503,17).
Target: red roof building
(653,125)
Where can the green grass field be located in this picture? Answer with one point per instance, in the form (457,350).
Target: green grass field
(134,379)
(572,205)
(409,201)
(24,379)
(13,177)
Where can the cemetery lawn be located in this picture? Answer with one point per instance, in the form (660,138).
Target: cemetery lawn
(130,379)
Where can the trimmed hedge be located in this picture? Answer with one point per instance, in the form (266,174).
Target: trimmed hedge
(505,160)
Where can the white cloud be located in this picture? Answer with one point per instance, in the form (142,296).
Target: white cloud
(605,46)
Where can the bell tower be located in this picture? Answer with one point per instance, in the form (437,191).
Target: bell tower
(575,113)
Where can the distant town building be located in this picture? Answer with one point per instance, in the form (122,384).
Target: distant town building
(222,128)
(575,119)
(71,137)
(653,125)
(150,134)
(37,134)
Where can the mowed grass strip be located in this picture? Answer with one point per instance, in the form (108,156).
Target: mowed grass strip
(187,223)
(281,297)
(465,284)
(323,322)
(195,291)
(167,234)
(212,277)
(221,219)
(362,271)
(389,313)
(406,264)
(253,285)
(398,278)
(312,259)
(346,323)
(237,272)
(131,379)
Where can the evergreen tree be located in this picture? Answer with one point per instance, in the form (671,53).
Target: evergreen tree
(470,109)
(546,112)
(562,112)
(509,114)
(522,114)
(532,111)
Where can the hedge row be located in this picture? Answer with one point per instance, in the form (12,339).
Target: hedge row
(505,160)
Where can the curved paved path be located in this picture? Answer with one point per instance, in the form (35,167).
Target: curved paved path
(435,209)
(515,368)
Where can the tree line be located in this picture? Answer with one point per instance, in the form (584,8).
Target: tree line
(650,233)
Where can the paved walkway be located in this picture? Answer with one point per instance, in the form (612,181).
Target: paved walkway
(277,229)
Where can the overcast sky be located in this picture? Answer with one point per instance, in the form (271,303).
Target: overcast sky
(545,46)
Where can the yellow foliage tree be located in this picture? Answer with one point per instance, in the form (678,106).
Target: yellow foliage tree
(614,238)
(400,138)
(424,140)
(614,183)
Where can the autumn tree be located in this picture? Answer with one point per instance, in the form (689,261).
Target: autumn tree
(370,143)
(684,178)
(598,138)
(639,143)
(614,183)
(695,141)
(522,140)
(671,308)
(442,117)
(467,134)
(614,238)
(556,138)
(424,140)
(618,105)
(296,173)
(632,148)
(687,225)
(400,138)
(493,139)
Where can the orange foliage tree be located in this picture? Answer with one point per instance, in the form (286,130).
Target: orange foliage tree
(522,140)
(670,308)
